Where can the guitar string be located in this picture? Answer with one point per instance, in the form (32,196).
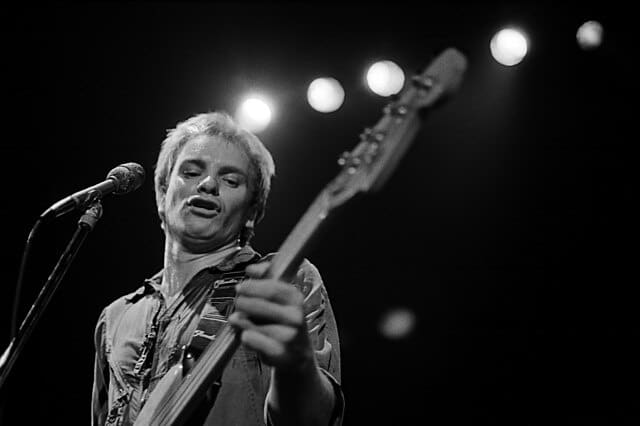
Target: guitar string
(193,380)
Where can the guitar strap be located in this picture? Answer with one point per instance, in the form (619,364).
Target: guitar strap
(217,309)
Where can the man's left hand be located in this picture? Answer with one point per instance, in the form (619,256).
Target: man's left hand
(270,315)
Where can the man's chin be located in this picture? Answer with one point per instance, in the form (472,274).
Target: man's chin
(202,242)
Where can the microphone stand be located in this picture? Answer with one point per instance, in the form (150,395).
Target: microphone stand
(86,223)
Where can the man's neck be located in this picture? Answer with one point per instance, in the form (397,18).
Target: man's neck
(180,265)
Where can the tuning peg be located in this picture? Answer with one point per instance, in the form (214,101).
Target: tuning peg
(373,149)
(343,158)
(421,82)
(396,110)
(366,134)
(379,136)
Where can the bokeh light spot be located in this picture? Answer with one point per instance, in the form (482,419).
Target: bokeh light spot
(385,78)
(589,35)
(325,94)
(509,46)
(397,323)
(254,114)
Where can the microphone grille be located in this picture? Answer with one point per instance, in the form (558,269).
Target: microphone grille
(128,177)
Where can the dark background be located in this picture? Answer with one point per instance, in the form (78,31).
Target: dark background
(507,228)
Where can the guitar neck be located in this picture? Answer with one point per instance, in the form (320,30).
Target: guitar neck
(288,258)
(366,168)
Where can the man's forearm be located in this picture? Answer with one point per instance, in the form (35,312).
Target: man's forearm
(304,397)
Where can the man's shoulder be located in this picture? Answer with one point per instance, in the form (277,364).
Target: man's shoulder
(243,257)
(307,278)
(141,293)
(305,264)
(114,311)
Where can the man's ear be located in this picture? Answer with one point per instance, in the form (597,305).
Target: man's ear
(160,203)
(251,217)
(247,231)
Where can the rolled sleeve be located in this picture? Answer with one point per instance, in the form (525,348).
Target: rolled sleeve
(323,333)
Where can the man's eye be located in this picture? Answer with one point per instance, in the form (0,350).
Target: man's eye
(232,181)
(190,173)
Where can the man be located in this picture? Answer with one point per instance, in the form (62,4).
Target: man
(212,181)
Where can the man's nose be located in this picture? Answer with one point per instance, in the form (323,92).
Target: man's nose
(209,185)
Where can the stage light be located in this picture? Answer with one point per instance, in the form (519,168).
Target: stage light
(509,46)
(325,94)
(589,35)
(397,323)
(254,114)
(385,78)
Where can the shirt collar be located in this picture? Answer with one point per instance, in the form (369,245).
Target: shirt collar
(243,256)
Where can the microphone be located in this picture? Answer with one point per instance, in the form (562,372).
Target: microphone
(121,180)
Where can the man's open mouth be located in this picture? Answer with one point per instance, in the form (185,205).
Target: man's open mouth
(203,203)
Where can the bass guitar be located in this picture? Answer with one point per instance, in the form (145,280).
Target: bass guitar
(365,168)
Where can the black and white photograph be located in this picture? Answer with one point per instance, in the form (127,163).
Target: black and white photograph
(316,213)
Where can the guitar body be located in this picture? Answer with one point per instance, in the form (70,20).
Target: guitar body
(166,386)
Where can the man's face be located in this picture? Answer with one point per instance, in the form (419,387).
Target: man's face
(208,196)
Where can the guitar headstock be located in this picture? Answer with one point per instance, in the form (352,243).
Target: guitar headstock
(371,162)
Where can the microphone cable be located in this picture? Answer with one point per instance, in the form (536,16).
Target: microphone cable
(23,263)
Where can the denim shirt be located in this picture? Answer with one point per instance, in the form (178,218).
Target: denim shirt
(138,339)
